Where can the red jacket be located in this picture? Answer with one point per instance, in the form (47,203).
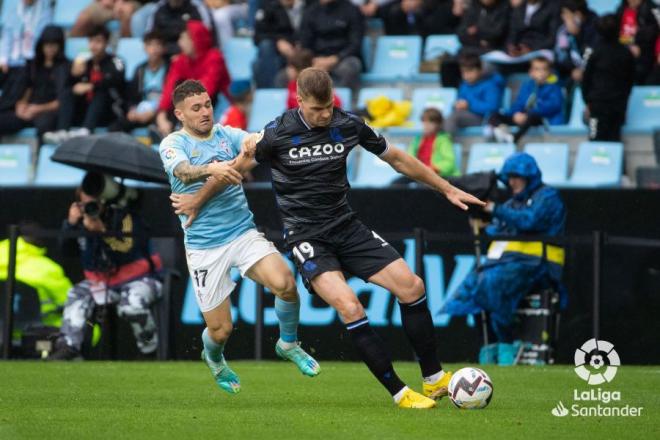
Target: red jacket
(208,66)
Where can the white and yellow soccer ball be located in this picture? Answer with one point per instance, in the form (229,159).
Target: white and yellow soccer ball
(470,388)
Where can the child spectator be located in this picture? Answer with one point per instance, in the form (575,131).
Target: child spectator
(47,76)
(479,95)
(434,148)
(146,87)
(639,31)
(607,81)
(540,99)
(299,61)
(241,96)
(98,85)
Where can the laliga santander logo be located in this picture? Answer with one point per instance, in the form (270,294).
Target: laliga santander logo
(596,362)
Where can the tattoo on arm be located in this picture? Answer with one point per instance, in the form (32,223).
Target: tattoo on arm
(191,173)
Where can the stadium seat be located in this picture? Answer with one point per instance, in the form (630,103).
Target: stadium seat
(576,119)
(488,156)
(436,45)
(345,96)
(368,93)
(14,164)
(131,51)
(643,109)
(367,52)
(423,98)
(51,173)
(458,153)
(75,46)
(66,12)
(598,164)
(602,7)
(239,54)
(373,172)
(397,58)
(552,158)
(266,106)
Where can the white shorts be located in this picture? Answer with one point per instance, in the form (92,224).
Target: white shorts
(210,268)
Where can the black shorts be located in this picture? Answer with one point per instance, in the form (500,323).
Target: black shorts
(349,247)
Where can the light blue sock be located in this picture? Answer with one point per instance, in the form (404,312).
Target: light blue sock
(212,348)
(288,313)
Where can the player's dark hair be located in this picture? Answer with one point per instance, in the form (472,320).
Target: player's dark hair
(301,59)
(153,36)
(189,87)
(608,27)
(433,115)
(315,83)
(99,31)
(470,61)
(543,60)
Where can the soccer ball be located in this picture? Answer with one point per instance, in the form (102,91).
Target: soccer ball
(470,388)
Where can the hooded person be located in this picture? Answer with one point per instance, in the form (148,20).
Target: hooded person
(514,268)
(198,60)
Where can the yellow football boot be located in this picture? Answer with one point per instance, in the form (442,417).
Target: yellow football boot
(439,389)
(412,399)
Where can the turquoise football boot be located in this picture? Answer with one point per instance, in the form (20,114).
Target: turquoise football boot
(223,375)
(305,363)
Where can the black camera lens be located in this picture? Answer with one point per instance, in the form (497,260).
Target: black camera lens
(92,209)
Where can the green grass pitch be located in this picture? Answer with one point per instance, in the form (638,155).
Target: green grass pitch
(178,400)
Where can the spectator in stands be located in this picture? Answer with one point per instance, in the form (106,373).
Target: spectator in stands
(236,115)
(145,90)
(333,31)
(275,30)
(479,95)
(484,26)
(300,60)
(533,26)
(118,270)
(97,90)
(539,100)
(46,79)
(639,31)
(607,81)
(419,17)
(21,29)
(225,14)
(514,268)
(36,270)
(434,148)
(198,60)
(170,20)
(101,12)
(576,35)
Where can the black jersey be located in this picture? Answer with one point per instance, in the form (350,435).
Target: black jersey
(309,168)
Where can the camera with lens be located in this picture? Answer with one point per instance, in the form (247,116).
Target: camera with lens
(92,209)
(107,191)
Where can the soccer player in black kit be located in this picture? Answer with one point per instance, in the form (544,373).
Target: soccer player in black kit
(306,149)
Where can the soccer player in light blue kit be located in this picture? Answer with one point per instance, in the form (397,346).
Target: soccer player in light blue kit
(223,235)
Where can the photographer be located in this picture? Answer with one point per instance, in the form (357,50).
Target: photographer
(119,269)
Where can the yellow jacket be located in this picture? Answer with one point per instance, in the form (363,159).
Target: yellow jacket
(36,270)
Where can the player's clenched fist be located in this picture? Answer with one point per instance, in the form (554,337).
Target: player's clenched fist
(249,145)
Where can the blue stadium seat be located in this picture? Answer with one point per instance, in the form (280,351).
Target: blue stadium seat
(131,51)
(643,109)
(239,54)
(602,7)
(598,164)
(75,46)
(397,58)
(345,96)
(552,158)
(488,156)
(458,153)
(436,45)
(266,106)
(373,172)
(368,93)
(66,12)
(14,164)
(423,98)
(51,173)
(577,110)
(367,52)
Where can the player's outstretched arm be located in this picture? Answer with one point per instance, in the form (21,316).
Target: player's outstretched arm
(416,170)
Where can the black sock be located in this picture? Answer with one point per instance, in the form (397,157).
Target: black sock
(418,325)
(373,352)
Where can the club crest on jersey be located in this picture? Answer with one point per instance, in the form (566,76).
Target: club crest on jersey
(316,151)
